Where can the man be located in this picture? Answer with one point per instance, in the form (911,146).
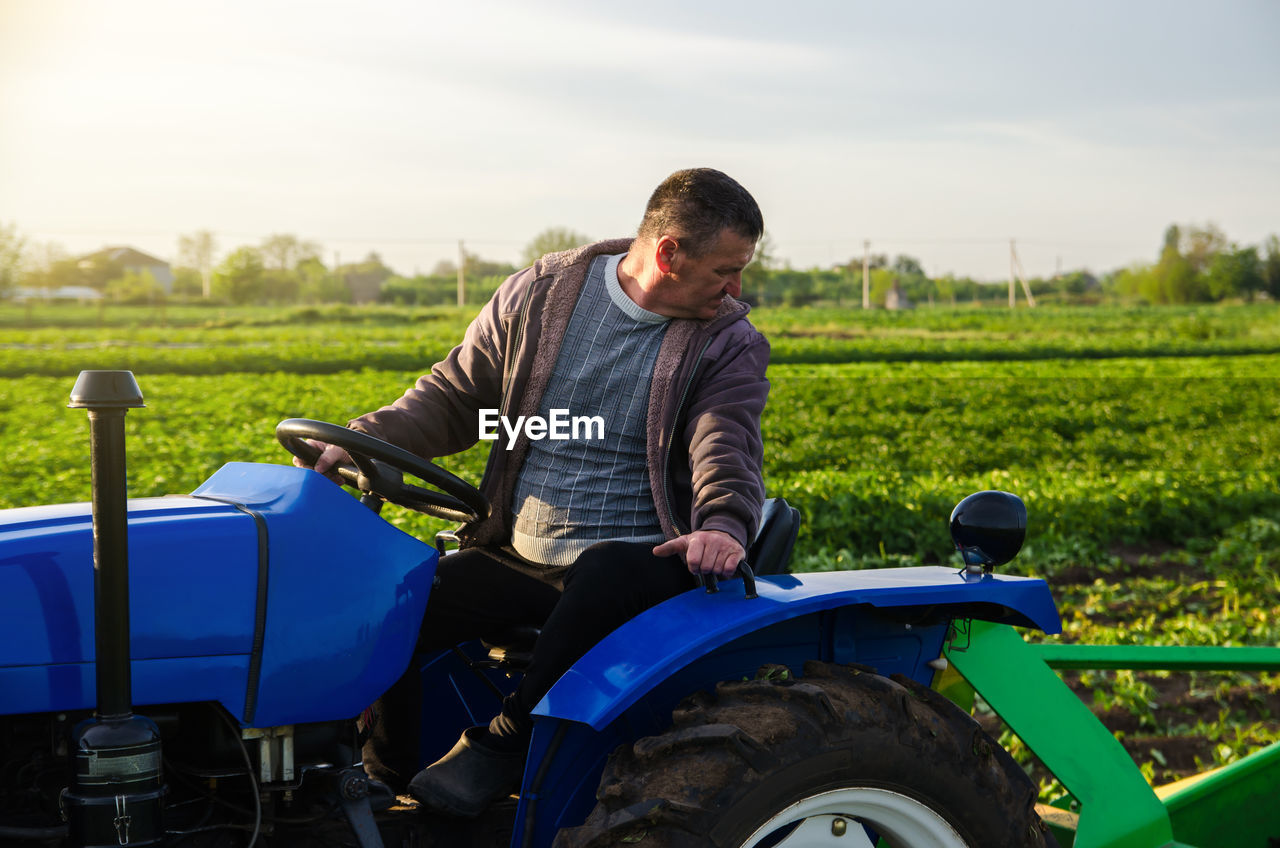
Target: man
(646,336)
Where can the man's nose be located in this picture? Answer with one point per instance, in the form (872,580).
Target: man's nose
(734,286)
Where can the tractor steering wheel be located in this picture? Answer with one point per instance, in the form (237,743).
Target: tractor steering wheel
(379,468)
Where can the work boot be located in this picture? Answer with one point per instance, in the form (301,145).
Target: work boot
(465,781)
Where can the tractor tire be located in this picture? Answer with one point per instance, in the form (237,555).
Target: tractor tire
(839,757)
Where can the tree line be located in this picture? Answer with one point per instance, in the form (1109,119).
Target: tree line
(1194,264)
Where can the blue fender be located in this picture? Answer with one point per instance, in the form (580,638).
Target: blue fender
(650,649)
(894,620)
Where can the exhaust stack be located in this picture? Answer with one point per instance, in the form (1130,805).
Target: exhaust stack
(116,796)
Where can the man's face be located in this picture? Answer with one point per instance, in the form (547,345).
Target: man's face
(694,287)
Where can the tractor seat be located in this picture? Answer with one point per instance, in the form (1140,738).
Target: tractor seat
(770,553)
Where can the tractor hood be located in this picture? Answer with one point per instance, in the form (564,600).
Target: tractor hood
(268,589)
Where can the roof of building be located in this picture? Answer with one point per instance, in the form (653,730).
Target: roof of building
(126,256)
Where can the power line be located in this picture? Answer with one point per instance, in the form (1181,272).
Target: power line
(117,233)
(957,240)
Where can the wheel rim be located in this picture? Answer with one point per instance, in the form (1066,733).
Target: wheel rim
(848,817)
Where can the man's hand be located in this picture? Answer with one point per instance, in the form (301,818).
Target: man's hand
(705,552)
(330,456)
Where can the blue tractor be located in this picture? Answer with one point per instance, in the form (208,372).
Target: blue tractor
(195,670)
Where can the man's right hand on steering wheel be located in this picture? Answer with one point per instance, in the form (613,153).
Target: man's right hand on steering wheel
(330,457)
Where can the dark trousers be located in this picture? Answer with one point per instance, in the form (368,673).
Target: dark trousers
(481,592)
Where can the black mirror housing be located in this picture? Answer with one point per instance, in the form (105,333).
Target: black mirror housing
(988,529)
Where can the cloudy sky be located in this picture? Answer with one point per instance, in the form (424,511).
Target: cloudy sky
(938,129)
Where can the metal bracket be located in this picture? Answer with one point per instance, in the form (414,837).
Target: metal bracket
(275,753)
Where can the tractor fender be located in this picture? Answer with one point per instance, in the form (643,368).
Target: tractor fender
(654,646)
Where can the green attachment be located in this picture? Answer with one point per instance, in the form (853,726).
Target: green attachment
(1231,806)
(1167,658)
(1236,802)
(1117,807)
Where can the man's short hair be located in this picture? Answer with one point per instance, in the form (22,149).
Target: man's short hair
(695,204)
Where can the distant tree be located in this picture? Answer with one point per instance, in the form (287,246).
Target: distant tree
(908,266)
(1131,282)
(1076,283)
(882,280)
(1236,272)
(755,277)
(834,284)
(792,287)
(478,267)
(1271,267)
(187,281)
(319,284)
(280,286)
(240,277)
(874,261)
(134,287)
(1200,244)
(364,279)
(945,285)
(12,251)
(49,266)
(551,240)
(475,266)
(1174,278)
(196,250)
(283,251)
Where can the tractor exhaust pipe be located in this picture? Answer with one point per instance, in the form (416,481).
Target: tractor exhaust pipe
(116,796)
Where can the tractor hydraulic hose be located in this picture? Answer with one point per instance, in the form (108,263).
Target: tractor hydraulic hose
(553,747)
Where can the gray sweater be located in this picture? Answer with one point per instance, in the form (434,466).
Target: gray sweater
(593,486)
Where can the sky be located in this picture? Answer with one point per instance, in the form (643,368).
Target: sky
(937,129)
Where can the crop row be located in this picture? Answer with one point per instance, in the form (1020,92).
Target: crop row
(327,346)
(1190,322)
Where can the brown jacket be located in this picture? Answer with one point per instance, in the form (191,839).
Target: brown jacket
(708,392)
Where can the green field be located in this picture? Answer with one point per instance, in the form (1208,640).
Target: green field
(1142,440)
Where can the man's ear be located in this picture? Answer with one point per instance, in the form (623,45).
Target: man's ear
(665,253)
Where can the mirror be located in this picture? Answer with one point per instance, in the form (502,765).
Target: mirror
(988,528)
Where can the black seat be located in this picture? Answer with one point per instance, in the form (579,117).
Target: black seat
(770,551)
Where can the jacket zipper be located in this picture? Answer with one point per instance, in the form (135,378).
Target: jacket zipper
(509,368)
(509,371)
(671,437)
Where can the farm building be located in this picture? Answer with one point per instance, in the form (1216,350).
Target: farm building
(132,259)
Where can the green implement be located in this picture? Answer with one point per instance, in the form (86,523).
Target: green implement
(1114,806)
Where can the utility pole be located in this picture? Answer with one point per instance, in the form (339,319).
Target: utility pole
(866,273)
(462,274)
(1013,294)
(1015,267)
